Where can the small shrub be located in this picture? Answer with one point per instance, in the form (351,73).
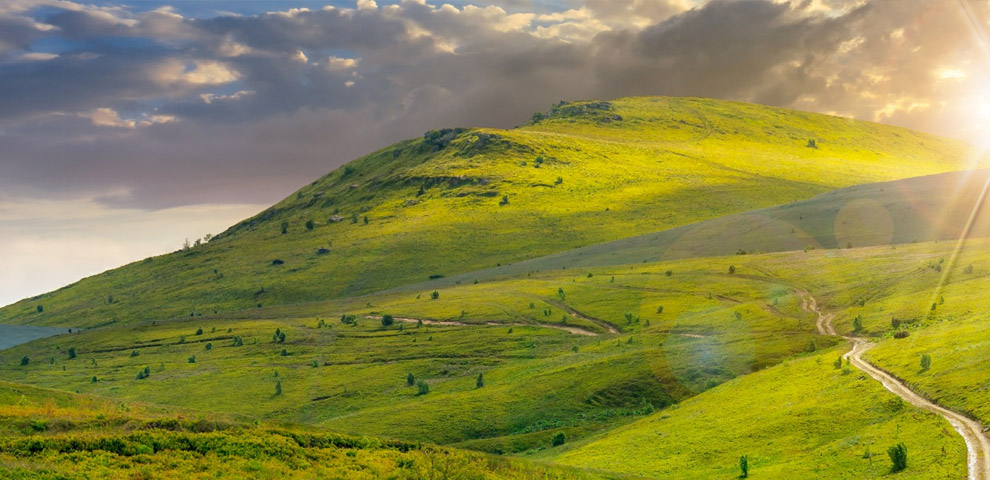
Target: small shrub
(310,225)
(901,334)
(199,331)
(284,353)
(135,353)
(480,382)
(94,380)
(278,387)
(192,359)
(285,228)
(72,352)
(732,269)
(895,322)
(25,360)
(558,439)
(435,295)
(659,308)
(505,200)
(898,457)
(278,261)
(857,324)
(838,363)
(238,341)
(926,361)
(422,388)
(387,320)
(410,380)
(744,466)
(968,270)
(209,346)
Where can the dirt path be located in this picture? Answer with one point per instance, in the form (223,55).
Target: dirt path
(977,443)
(574,330)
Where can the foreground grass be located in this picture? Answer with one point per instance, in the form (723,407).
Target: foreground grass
(49,434)
(442,206)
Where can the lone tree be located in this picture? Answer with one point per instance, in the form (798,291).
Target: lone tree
(732,269)
(481,381)
(410,379)
(926,361)
(387,320)
(278,387)
(558,439)
(309,225)
(72,352)
(435,295)
(41,308)
(898,457)
(858,324)
(285,228)
(25,360)
(422,388)
(838,362)
(744,466)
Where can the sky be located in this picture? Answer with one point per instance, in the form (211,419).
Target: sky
(128,127)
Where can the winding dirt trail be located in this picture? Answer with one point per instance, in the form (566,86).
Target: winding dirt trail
(977,443)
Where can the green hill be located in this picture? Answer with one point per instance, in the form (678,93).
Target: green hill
(466,199)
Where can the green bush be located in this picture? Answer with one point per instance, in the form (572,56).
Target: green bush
(898,457)
(192,359)
(25,360)
(926,361)
(744,466)
(387,320)
(72,352)
(435,295)
(558,439)
(410,380)
(481,381)
(422,388)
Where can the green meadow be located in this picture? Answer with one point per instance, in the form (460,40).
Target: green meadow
(612,290)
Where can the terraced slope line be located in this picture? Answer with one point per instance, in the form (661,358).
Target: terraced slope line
(977,444)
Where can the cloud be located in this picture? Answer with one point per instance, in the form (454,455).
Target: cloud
(245,108)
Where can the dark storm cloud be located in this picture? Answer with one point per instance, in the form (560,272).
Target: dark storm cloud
(246,108)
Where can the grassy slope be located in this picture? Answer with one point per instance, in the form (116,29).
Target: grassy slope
(536,385)
(50,434)
(801,419)
(920,209)
(617,179)
(541,383)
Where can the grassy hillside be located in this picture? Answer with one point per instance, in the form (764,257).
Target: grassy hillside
(462,200)
(801,419)
(539,377)
(922,209)
(55,435)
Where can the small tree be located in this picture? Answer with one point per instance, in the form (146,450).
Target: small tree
(209,346)
(284,353)
(238,341)
(41,308)
(560,293)
(72,352)
(898,457)
(310,225)
(94,380)
(285,228)
(838,363)
(858,324)
(199,331)
(25,360)
(558,439)
(435,295)
(926,362)
(278,387)
(481,381)
(192,359)
(281,337)
(659,308)
(732,269)
(410,379)
(387,320)
(744,466)
(422,387)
